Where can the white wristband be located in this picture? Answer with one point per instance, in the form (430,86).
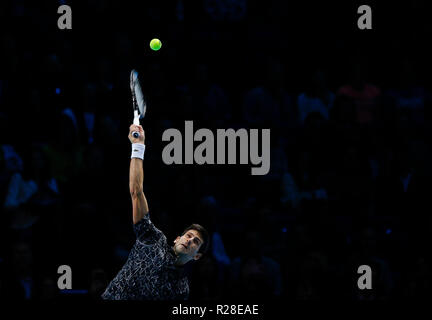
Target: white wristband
(138,150)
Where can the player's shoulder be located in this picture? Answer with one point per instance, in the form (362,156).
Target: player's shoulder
(146,231)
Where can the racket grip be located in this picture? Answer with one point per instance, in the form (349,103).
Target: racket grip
(135,134)
(136,118)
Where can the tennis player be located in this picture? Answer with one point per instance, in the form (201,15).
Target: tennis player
(154,270)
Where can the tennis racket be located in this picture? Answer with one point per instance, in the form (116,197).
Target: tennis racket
(138,102)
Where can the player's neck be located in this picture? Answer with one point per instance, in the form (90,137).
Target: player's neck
(181,261)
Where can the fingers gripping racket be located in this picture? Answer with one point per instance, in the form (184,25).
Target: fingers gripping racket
(138,102)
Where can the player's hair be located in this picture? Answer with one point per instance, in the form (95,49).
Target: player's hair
(204,235)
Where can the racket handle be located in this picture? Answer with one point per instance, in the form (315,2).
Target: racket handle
(136,118)
(135,134)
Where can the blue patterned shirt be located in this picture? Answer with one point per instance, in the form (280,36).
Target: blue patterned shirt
(149,272)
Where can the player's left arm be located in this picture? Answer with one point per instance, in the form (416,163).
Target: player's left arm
(136,179)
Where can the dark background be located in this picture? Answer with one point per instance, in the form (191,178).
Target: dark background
(349,112)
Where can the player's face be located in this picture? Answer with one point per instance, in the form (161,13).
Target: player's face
(188,244)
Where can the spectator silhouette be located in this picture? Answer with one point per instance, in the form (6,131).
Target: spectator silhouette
(316,97)
(365,95)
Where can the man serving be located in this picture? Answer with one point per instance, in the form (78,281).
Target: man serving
(154,270)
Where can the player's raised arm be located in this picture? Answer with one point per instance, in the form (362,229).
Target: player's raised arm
(136,174)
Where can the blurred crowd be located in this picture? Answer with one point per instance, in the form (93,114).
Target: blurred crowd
(350,151)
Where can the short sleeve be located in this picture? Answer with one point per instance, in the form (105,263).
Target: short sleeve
(146,232)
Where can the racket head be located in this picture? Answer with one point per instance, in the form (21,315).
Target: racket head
(138,100)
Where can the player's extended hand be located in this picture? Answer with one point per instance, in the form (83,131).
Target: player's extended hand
(139,129)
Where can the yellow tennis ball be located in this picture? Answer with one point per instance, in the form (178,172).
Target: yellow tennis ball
(155,44)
